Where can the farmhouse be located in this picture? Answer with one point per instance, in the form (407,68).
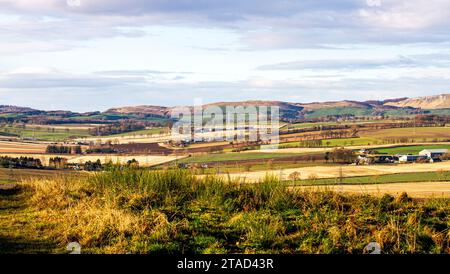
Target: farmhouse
(433,153)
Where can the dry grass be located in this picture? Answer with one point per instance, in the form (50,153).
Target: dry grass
(173,211)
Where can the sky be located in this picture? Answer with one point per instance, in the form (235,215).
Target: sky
(86,55)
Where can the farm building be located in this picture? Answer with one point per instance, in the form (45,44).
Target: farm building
(411,158)
(433,153)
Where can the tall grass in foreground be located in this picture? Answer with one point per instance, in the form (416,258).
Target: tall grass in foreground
(174,211)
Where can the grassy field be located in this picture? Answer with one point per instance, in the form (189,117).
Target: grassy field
(235,156)
(418,134)
(149,131)
(384,136)
(175,212)
(46,133)
(316,124)
(410,149)
(361,141)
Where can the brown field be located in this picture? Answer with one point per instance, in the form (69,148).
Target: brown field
(416,189)
(419,132)
(144,160)
(21,147)
(347,171)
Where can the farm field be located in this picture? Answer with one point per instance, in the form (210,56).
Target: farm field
(311,125)
(415,189)
(300,150)
(46,133)
(127,139)
(381,179)
(419,133)
(318,172)
(234,156)
(411,149)
(381,136)
(22,147)
(144,160)
(144,132)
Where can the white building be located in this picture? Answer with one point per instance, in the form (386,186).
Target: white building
(433,153)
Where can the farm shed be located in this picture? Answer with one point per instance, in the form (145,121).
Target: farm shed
(433,153)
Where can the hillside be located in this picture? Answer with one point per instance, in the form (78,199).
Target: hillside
(427,102)
(439,104)
(143,109)
(5,109)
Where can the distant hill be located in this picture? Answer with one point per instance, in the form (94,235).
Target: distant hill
(144,109)
(427,102)
(289,110)
(5,109)
(439,104)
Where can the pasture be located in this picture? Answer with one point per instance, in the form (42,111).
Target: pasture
(411,149)
(47,132)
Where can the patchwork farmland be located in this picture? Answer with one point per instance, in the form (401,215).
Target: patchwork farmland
(122,169)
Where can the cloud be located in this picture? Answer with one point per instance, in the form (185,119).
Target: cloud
(262,24)
(413,61)
(98,92)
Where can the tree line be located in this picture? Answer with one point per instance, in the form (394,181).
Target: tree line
(21,162)
(55,149)
(117,128)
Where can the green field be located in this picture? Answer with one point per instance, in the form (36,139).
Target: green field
(45,133)
(336,142)
(382,179)
(311,125)
(385,136)
(363,112)
(149,131)
(410,149)
(235,156)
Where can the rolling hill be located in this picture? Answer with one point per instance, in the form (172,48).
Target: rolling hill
(439,104)
(428,102)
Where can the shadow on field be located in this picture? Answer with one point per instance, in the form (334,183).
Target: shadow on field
(18,245)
